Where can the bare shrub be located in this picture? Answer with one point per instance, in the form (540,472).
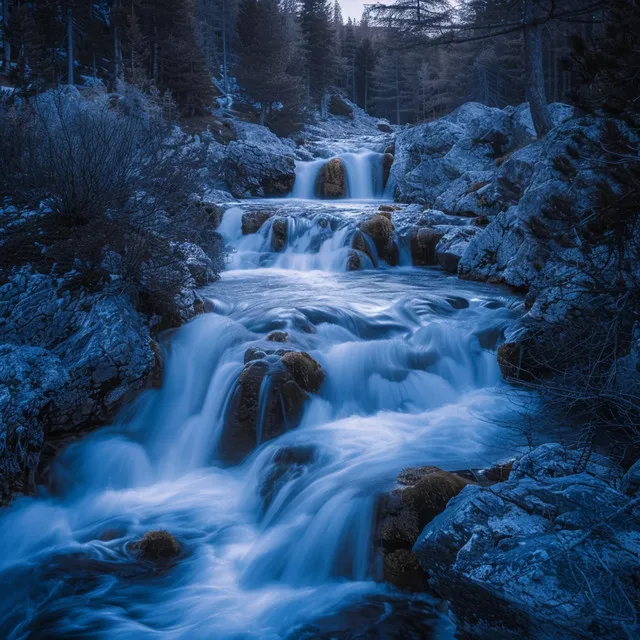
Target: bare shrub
(111,194)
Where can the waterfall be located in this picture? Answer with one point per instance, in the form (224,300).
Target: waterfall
(363,170)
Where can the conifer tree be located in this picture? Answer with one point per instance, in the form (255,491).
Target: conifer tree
(316,21)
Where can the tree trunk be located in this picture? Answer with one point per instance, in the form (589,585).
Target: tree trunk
(224,48)
(5,40)
(534,71)
(70,47)
(263,110)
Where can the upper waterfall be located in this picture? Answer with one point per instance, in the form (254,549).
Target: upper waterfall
(364,176)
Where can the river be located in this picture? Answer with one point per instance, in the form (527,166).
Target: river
(411,379)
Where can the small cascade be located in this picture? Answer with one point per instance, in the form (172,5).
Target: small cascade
(364,176)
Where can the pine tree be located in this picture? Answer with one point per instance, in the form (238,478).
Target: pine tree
(316,21)
(266,53)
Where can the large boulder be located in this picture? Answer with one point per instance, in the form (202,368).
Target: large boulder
(256,163)
(381,231)
(332,180)
(550,553)
(422,494)
(423,242)
(268,399)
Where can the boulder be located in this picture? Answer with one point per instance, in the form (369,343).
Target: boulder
(287,464)
(452,246)
(423,242)
(279,232)
(332,180)
(422,494)
(253,220)
(385,127)
(278,336)
(256,163)
(549,553)
(156,546)
(268,399)
(381,230)
(354,262)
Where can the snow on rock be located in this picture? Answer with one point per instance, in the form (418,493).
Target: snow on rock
(257,163)
(530,182)
(550,553)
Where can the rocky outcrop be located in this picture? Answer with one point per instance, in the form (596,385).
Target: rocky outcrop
(452,246)
(550,553)
(287,464)
(268,399)
(382,232)
(444,163)
(256,163)
(332,180)
(527,245)
(402,514)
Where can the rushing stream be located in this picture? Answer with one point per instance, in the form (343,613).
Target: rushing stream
(411,379)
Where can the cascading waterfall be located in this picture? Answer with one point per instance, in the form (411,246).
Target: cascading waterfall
(363,170)
(280,545)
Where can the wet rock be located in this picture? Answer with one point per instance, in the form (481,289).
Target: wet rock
(402,514)
(156,546)
(387,162)
(388,208)
(354,263)
(549,553)
(359,243)
(279,234)
(401,569)
(157,373)
(288,464)
(332,180)
(253,220)
(481,221)
(278,336)
(385,128)
(423,242)
(268,399)
(306,372)
(391,149)
(381,230)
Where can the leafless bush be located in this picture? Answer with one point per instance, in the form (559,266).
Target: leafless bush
(104,181)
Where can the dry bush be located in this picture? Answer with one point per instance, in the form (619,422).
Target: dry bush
(110,194)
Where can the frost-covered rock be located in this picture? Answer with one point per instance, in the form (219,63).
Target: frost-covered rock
(550,553)
(446,163)
(533,180)
(257,163)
